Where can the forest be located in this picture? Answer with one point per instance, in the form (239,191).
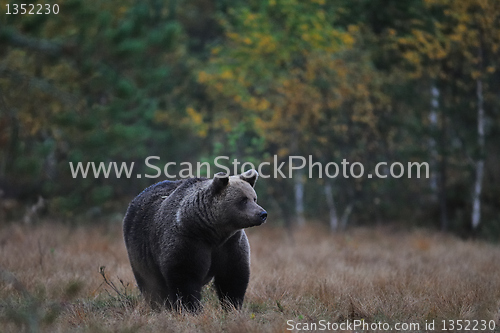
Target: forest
(374,126)
(364,81)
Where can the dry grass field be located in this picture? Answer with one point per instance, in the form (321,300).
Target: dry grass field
(50,282)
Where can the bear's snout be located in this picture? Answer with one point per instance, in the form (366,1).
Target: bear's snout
(263,216)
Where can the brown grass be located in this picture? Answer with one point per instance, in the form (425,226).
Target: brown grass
(373,274)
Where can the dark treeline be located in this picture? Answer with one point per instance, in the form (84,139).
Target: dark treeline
(189,80)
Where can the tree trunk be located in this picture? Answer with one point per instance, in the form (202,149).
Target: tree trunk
(334,220)
(476,206)
(442,177)
(345,216)
(299,198)
(433,120)
(11,151)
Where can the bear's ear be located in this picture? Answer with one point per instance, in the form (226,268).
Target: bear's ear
(221,180)
(250,176)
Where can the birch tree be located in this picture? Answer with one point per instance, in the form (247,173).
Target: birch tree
(476,205)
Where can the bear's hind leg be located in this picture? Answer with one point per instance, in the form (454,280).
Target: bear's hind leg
(154,290)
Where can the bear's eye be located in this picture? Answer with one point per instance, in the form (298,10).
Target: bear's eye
(244,201)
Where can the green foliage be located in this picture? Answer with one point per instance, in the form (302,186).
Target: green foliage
(192,80)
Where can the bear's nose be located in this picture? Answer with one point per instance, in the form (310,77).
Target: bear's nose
(263,216)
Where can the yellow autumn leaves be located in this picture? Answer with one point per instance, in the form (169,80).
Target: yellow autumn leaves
(268,72)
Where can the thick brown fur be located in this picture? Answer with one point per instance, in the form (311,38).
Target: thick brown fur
(182,234)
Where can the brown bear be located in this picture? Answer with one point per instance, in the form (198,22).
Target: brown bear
(181,234)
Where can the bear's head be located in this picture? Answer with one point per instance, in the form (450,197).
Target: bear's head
(236,199)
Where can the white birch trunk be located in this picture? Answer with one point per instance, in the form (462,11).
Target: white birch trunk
(334,220)
(299,198)
(476,205)
(345,216)
(433,119)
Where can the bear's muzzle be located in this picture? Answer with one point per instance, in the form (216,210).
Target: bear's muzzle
(262,217)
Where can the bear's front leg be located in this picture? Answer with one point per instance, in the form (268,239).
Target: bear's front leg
(233,271)
(187,296)
(185,271)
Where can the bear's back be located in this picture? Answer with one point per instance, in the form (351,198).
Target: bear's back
(143,208)
(144,226)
